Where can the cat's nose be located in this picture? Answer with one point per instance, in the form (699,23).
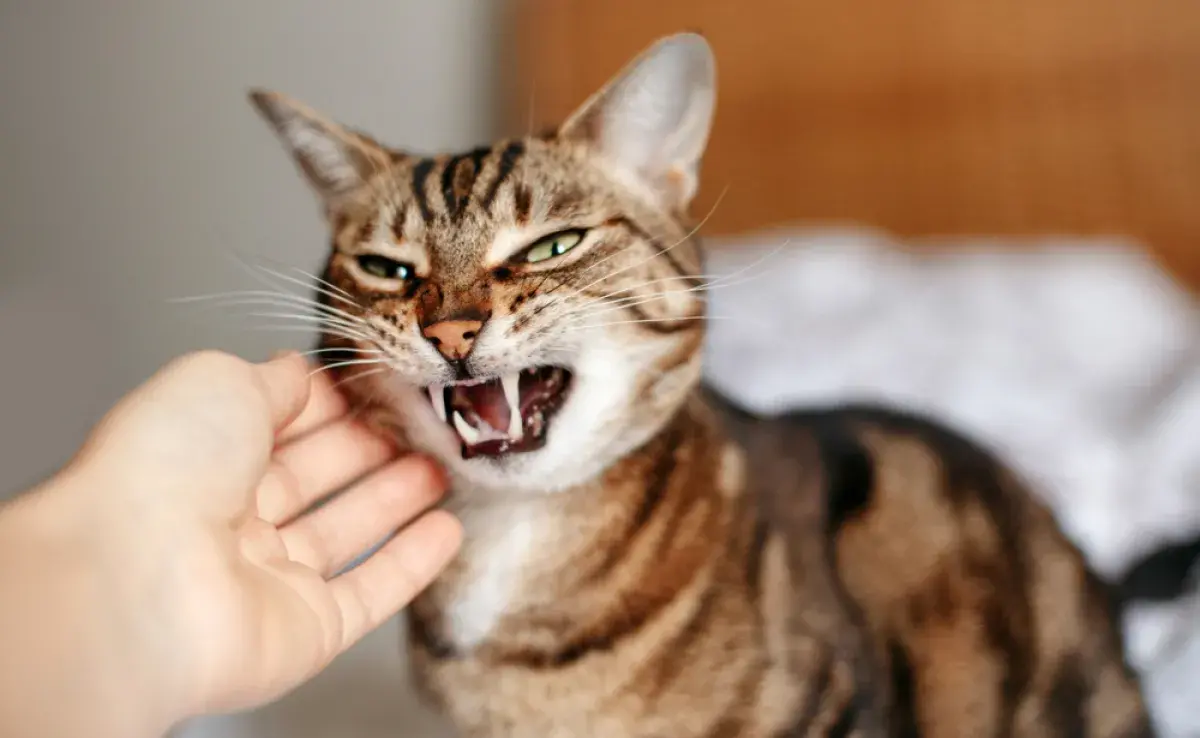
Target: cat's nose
(453,338)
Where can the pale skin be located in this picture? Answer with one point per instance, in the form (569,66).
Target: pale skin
(167,571)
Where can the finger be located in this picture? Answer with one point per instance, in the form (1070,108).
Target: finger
(317,465)
(325,404)
(286,386)
(387,581)
(333,535)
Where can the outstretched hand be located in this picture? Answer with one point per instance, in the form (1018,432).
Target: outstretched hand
(188,507)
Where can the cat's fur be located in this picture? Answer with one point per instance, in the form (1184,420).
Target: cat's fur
(667,565)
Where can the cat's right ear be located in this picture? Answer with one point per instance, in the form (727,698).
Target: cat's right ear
(336,161)
(653,119)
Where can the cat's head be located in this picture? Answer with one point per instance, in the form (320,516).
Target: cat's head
(526,311)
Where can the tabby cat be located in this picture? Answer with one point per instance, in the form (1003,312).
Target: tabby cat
(642,558)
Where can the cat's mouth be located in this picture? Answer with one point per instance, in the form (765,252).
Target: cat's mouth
(502,415)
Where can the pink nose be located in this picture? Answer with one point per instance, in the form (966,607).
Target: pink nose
(453,338)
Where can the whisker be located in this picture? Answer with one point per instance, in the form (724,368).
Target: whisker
(340,364)
(324,282)
(361,375)
(307,285)
(265,297)
(307,275)
(635,300)
(332,349)
(656,254)
(317,319)
(589,326)
(603,304)
(311,330)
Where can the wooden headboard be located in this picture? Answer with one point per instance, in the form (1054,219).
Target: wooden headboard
(923,117)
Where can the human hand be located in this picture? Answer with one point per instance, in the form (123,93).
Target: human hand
(186,505)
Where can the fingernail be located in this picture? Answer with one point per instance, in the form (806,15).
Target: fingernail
(281,354)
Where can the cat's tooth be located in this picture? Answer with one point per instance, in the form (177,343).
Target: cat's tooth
(512,393)
(465,430)
(437,397)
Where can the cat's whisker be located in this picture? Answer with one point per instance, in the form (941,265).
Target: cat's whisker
(264,297)
(686,318)
(656,253)
(710,280)
(348,362)
(307,285)
(333,349)
(306,275)
(343,331)
(356,330)
(603,304)
(310,330)
(361,375)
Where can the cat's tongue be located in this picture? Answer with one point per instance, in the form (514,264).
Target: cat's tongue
(504,415)
(486,407)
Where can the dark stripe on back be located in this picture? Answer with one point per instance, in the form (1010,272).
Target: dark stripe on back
(1159,576)
(904,693)
(1066,702)
(419,175)
(754,555)
(846,720)
(849,473)
(508,160)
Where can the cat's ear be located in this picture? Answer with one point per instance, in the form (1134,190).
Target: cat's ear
(654,117)
(336,160)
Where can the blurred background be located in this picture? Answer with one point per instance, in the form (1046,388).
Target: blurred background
(987,209)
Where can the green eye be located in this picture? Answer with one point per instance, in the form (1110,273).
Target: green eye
(385,268)
(551,246)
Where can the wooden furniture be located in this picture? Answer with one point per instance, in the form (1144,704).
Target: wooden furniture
(922,117)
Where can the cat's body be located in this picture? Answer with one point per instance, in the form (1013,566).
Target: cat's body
(641,559)
(849,572)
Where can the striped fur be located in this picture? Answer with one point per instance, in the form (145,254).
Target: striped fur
(668,565)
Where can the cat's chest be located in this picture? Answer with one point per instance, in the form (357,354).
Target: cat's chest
(491,574)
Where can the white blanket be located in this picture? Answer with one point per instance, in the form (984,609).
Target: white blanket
(1077,360)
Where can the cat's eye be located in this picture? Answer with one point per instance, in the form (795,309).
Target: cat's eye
(385,268)
(556,244)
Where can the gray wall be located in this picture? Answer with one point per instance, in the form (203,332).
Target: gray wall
(132,170)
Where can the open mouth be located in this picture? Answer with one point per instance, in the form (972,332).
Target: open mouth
(502,415)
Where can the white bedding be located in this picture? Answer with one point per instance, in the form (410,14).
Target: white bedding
(1080,365)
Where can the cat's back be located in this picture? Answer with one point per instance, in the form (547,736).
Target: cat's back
(976,615)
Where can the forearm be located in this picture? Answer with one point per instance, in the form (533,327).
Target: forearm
(68,664)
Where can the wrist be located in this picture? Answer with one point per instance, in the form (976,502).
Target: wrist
(83,659)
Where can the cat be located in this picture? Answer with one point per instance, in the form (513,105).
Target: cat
(643,557)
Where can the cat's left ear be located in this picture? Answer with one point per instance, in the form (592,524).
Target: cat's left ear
(335,160)
(653,119)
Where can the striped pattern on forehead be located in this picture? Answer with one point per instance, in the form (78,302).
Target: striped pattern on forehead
(445,186)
